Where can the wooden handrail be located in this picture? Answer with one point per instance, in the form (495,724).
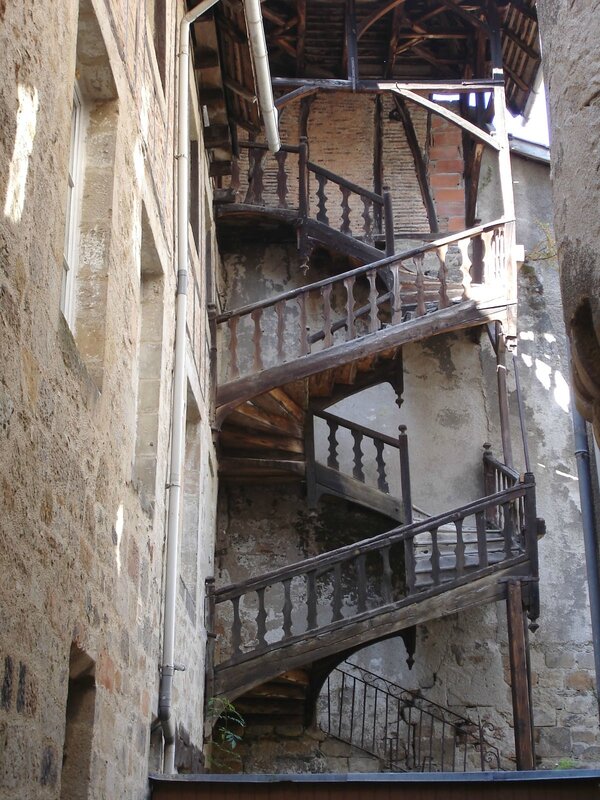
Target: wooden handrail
(353,273)
(353,187)
(323,562)
(354,426)
(287,148)
(509,472)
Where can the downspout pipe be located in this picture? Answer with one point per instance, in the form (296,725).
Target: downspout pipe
(582,454)
(260,59)
(174,485)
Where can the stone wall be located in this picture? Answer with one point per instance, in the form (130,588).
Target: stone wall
(569,34)
(84,437)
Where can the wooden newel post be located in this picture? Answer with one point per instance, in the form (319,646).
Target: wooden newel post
(520,677)
(409,554)
(388,214)
(309,450)
(303,201)
(531,540)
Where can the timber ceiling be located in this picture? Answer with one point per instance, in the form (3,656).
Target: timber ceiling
(396,40)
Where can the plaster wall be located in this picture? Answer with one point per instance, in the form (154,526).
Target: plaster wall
(81,542)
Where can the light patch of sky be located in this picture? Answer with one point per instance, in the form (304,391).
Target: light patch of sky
(534,128)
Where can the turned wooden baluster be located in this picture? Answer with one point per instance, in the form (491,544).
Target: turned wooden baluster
(386,586)
(396,294)
(236,628)
(256,339)
(357,469)
(481,539)
(488,258)
(373,310)
(254,195)
(421,308)
(304,346)
(337,592)
(459,553)
(234,368)
(465,266)
(261,618)
(382,483)
(327,330)
(280,311)
(444,300)
(508,528)
(345,226)
(361,579)
(321,194)
(368,218)
(311,600)
(287,608)
(435,557)
(332,455)
(282,178)
(350,326)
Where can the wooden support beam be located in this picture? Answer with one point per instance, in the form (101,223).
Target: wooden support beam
(240,90)
(471,18)
(519,677)
(228,27)
(301,37)
(218,169)
(397,18)
(205,58)
(450,116)
(351,45)
(510,34)
(530,13)
(420,167)
(376,16)
(217,136)
(289,97)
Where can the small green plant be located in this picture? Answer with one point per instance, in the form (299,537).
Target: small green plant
(227,730)
(545,249)
(566,763)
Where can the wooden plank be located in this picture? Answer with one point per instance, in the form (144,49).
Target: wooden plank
(295,94)
(286,402)
(259,466)
(244,441)
(321,384)
(519,678)
(249,416)
(351,43)
(301,37)
(471,18)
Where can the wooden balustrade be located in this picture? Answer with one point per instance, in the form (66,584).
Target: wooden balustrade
(359,302)
(360,435)
(356,210)
(373,575)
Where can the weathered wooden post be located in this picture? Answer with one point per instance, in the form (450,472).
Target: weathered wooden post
(520,677)
(303,200)
(388,214)
(409,554)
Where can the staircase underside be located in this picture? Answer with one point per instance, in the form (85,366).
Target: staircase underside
(260,666)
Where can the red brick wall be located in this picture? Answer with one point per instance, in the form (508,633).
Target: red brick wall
(446,169)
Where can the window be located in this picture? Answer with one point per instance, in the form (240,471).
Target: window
(149,366)
(88,223)
(74,192)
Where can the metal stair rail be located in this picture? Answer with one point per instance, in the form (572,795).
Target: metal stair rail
(355,584)
(466,272)
(405,730)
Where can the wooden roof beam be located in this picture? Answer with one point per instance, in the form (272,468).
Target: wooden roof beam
(377,15)
(455,6)
(301,37)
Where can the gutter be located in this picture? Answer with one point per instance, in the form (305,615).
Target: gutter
(174,485)
(582,454)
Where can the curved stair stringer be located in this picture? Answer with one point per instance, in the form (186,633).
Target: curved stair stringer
(368,628)
(465,314)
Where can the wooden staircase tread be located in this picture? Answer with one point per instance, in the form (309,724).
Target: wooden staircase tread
(249,441)
(330,481)
(248,416)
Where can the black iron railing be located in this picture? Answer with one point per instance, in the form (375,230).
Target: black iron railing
(407,732)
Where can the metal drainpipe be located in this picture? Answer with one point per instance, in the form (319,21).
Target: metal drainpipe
(263,78)
(582,454)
